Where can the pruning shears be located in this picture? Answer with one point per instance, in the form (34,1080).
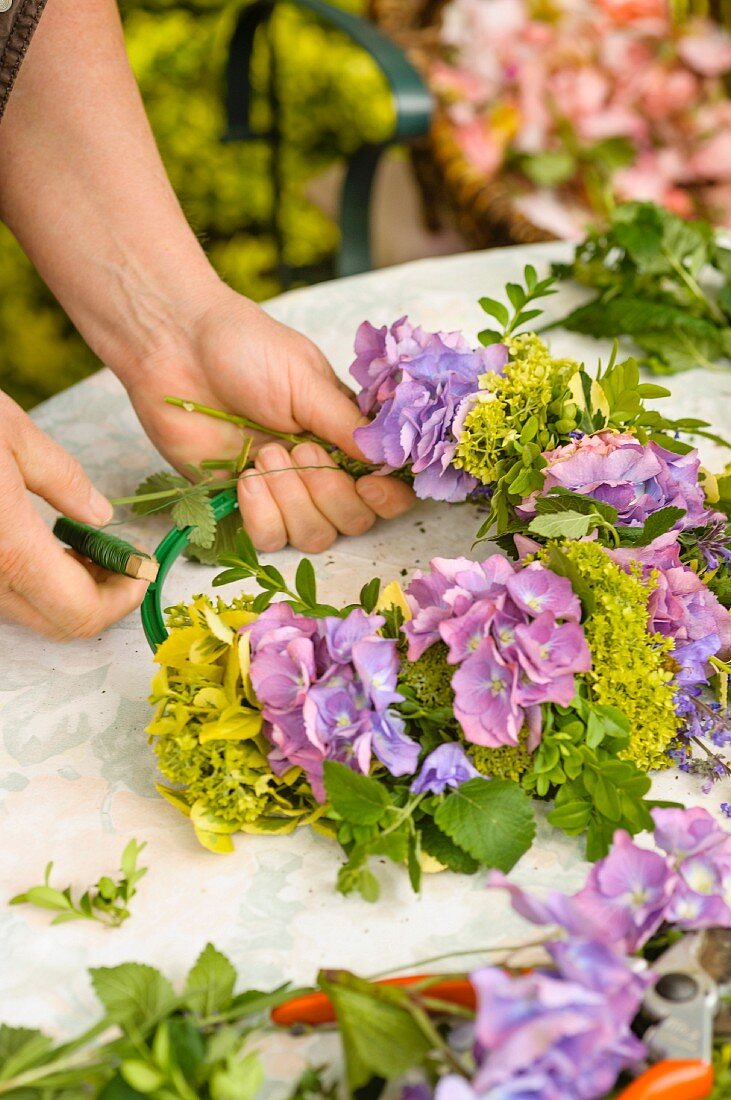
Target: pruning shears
(682,1013)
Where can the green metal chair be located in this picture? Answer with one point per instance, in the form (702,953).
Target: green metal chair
(413,106)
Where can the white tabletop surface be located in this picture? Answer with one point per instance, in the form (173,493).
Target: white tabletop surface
(77,774)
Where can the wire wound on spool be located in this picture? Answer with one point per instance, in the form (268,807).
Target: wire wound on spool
(104,549)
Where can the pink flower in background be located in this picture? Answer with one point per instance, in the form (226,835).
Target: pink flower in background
(588,74)
(709,53)
(713,159)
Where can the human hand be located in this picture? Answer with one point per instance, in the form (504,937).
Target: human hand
(240,360)
(42,586)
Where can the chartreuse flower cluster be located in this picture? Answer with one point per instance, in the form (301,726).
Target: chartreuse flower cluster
(420,724)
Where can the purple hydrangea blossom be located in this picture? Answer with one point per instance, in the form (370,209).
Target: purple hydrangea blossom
(447,766)
(514,633)
(326,687)
(417,382)
(380,354)
(681,607)
(563,1034)
(635,478)
(632,891)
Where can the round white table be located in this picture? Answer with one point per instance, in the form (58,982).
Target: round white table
(77,775)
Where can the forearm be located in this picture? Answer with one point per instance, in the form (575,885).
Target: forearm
(83,188)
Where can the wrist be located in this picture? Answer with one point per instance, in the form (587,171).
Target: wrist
(155,316)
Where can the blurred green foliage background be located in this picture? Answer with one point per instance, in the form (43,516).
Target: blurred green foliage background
(334,98)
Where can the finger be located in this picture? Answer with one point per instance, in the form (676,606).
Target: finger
(320,406)
(307,528)
(332,491)
(33,565)
(51,473)
(387,496)
(260,514)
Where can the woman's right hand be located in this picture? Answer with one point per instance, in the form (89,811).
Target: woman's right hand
(43,586)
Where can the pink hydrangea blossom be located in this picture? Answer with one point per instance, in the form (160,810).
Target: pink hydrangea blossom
(513,631)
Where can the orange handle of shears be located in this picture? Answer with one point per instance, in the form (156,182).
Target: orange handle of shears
(672,1080)
(316,1008)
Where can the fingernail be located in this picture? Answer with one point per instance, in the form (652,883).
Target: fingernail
(251,484)
(272,457)
(100,510)
(307,454)
(372,493)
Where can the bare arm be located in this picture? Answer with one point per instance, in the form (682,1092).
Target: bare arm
(84,190)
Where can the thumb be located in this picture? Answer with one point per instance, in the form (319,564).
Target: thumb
(53,474)
(330,412)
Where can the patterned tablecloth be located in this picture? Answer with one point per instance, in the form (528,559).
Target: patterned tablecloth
(76,773)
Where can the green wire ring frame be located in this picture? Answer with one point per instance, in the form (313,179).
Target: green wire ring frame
(169,549)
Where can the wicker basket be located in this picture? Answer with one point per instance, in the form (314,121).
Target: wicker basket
(481,209)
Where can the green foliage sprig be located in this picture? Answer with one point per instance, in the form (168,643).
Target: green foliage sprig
(660,280)
(164,1046)
(106,902)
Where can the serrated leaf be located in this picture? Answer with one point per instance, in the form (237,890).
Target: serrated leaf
(659,523)
(21,1048)
(491,819)
(134,995)
(356,798)
(380,1036)
(227,531)
(210,984)
(157,483)
(442,848)
(566,525)
(195,510)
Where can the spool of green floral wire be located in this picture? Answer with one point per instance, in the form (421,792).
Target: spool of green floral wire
(169,549)
(104,549)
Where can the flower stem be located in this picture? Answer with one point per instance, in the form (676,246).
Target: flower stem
(242,421)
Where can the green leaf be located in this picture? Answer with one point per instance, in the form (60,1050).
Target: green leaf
(492,820)
(441,847)
(239,1079)
(549,169)
(45,897)
(658,523)
(210,984)
(305,582)
(564,500)
(571,817)
(118,1089)
(604,795)
(195,510)
(567,525)
(356,798)
(21,1048)
(227,531)
(134,995)
(489,336)
(141,1076)
(380,1037)
(158,483)
(369,594)
(496,309)
(634,316)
